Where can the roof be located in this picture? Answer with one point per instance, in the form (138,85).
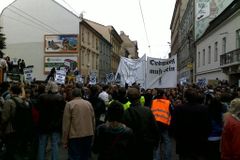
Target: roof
(104,30)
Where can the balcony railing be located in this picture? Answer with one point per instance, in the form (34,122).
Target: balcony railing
(230,58)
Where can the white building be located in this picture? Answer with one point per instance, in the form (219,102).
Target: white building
(221,37)
(25,22)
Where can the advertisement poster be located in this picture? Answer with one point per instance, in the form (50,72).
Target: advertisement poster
(206,11)
(61,43)
(60,62)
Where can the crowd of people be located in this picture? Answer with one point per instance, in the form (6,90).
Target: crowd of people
(110,122)
(12,66)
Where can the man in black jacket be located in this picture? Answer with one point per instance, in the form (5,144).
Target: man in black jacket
(51,106)
(141,120)
(191,127)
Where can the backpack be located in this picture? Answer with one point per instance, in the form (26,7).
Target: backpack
(22,121)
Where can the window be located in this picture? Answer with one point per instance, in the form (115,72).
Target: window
(96,62)
(82,35)
(199,59)
(209,54)
(216,51)
(96,44)
(224,41)
(101,47)
(82,57)
(88,37)
(93,60)
(238,39)
(92,40)
(203,60)
(88,55)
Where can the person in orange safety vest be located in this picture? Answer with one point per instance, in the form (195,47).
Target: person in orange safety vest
(161,109)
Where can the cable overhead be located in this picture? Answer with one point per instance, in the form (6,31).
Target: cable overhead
(27,24)
(29,19)
(41,22)
(145,29)
(70,7)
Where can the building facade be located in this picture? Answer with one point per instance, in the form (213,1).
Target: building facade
(28,25)
(180,32)
(186,51)
(129,48)
(111,35)
(218,50)
(174,27)
(94,52)
(25,24)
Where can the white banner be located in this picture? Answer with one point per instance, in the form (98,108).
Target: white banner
(93,78)
(79,79)
(132,70)
(110,77)
(161,73)
(28,74)
(60,76)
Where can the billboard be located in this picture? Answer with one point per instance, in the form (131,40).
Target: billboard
(59,62)
(61,43)
(206,11)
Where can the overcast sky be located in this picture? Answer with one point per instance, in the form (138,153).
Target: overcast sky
(125,15)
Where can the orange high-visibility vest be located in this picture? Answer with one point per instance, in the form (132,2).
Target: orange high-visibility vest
(160,110)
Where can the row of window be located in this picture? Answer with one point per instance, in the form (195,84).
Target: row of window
(208,51)
(85,57)
(95,41)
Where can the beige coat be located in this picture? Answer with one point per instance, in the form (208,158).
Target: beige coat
(78,119)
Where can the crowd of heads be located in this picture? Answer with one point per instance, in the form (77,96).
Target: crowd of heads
(181,94)
(12,65)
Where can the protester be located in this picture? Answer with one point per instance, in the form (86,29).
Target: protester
(78,127)
(51,106)
(113,140)
(98,105)
(191,127)
(230,142)
(148,98)
(216,110)
(162,108)
(122,98)
(104,94)
(51,75)
(18,126)
(141,120)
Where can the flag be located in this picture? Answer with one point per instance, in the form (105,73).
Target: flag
(132,71)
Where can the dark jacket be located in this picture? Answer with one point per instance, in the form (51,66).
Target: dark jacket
(99,108)
(191,126)
(141,120)
(51,107)
(113,143)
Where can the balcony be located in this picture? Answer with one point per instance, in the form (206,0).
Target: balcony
(230,58)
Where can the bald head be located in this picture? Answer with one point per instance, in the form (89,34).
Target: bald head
(133,94)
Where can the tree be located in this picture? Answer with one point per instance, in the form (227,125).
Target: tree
(2,43)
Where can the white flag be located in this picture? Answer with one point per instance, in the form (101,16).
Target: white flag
(132,70)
